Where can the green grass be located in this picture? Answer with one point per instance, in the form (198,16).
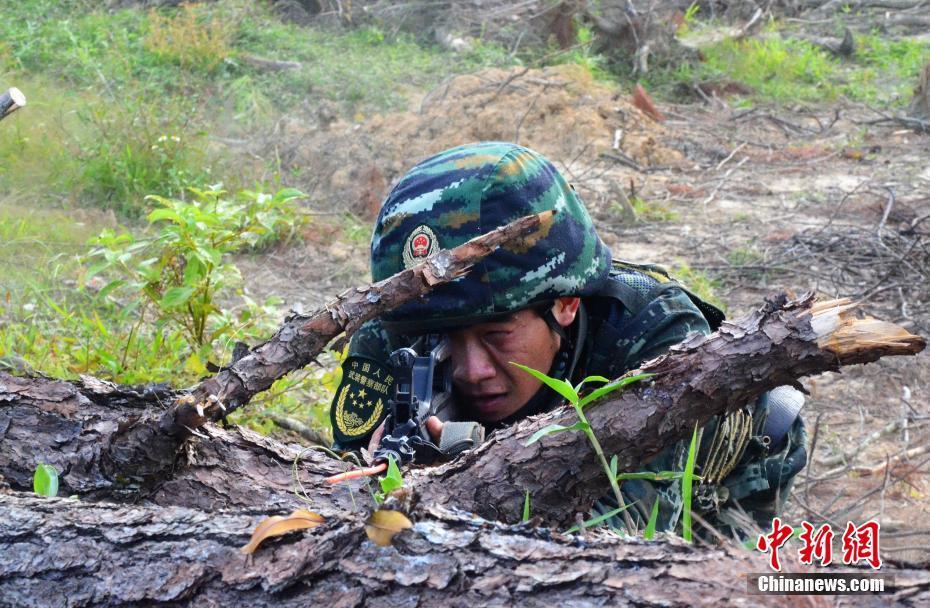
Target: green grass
(785,69)
(885,71)
(701,284)
(122,102)
(90,47)
(652,211)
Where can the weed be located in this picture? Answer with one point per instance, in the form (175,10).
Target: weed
(650,530)
(570,393)
(189,38)
(134,148)
(743,256)
(180,273)
(598,519)
(392,480)
(885,71)
(687,481)
(779,67)
(651,211)
(776,68)
(701,284)
(582,55)
(45,480)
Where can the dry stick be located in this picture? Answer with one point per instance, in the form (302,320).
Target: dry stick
(722,181)
(302,337)
(296,426)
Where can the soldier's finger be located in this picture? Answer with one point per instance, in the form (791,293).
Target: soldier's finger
(434,428)
(375,440)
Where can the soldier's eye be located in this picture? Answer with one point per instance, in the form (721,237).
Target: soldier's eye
(497,335)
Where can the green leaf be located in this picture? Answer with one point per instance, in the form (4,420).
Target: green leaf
(45,480)
(591,379)
(526,507)
(392,479)
(609,388)
(600,518)
(286,194)
(650,530)
(555,428)
(109,287)
(613,466)
(176,296)
(687,481)
(560,386)
(163,214)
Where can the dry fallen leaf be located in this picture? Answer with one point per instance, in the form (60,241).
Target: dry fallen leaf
(277,525)
(383,525)
(643,101)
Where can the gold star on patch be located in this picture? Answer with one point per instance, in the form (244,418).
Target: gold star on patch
(362,393)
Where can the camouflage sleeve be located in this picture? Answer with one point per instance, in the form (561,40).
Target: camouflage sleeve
(371,341)
(665,322)
(749,491)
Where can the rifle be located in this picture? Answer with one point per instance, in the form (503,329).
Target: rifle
(423,388)
(10,101)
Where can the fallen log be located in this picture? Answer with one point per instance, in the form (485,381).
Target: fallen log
(705,376)
(11,100)
(57,552)
(77,427)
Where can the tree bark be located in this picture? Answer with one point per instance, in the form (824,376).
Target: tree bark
(58,552)
(175,540)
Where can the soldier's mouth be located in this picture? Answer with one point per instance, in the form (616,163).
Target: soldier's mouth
(487,403)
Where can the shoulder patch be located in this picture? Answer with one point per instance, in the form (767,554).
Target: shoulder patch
(360,403)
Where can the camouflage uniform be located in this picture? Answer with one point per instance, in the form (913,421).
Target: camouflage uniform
(629,314)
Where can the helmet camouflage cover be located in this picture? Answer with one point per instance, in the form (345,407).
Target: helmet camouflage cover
(467,191)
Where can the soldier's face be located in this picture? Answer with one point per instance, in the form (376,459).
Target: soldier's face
(487,385)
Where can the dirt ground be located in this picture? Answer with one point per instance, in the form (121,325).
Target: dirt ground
(831,199)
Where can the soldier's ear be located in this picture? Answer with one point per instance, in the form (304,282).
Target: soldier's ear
(564,310)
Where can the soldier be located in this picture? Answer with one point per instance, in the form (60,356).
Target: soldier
(557,303)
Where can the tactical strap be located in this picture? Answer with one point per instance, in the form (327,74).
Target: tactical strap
(635,302)
(727,446)
(460,436)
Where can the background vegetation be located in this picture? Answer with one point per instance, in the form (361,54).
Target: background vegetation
(120,207)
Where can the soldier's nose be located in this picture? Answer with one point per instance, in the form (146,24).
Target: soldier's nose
(471,363)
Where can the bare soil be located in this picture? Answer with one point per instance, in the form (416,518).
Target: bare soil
(807,198)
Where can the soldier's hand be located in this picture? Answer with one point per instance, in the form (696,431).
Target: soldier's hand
(434,428)
(375,442)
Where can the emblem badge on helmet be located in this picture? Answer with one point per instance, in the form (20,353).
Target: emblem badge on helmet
(421,244)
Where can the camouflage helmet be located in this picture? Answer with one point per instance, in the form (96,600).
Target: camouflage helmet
(467,191)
